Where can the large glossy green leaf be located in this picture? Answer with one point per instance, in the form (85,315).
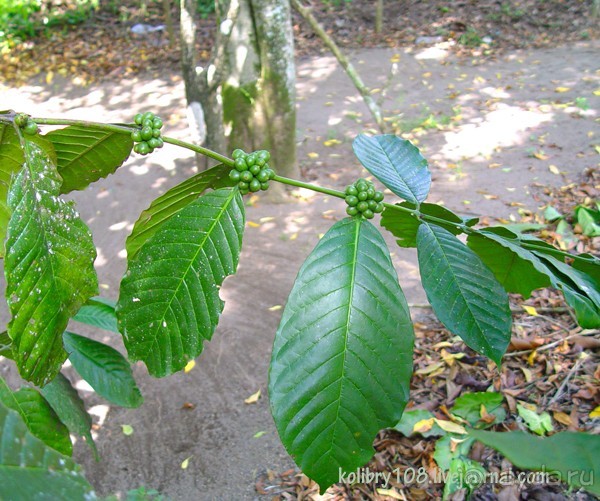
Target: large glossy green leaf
(169,302)
(85,155)
(171,202)
(404,225)
(397,163)
(98,312)
(579,289)
(49,267)
(516,268)
(342,357)
(29,470)
(463,292)
(39,417)
(69,408)
(572,456)
(104,368)
(11,161)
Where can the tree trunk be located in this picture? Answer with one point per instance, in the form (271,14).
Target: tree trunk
(247,91)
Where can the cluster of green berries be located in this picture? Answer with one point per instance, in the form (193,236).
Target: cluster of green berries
(251,170)
(147,137)
(25,122)
(362,198)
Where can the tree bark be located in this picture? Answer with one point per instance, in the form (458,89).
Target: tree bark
(247,91)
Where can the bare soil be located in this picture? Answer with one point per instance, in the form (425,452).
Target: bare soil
(496,132)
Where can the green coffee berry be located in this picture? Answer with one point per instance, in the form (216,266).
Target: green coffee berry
(138,119)
(136,135)
(243,185)
(146,133)
(246,176)
(378,197)
(351,200)
(362,195)
(21,119)
(240,164)
(31,128)
(234,175)
(262,176)
(368,214)
(351,211)
(254,169)
(237,153)
(362,206)
(250,159)
(254,185)
(143,148)
(264,186)
(372,204)
(378,209)
(157,123)
(370,193)
(351,190)
(153,143)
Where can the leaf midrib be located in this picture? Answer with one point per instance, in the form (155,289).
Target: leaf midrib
(200,246)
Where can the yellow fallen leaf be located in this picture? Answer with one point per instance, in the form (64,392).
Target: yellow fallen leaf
(554,170)
(266,219)
(527,374)
(531,358)
(294,236)
(442,344)
(275,308)
(390,493)
(313,155)
(49,77)
(595,413)
(189,366)
(252,224)
(127,429)
(430,368)
(186,462)
(424,425)
(450,427)
(530,309)
(331,142)
(449,358)
(597,92)
(252,399)
(563,418)
(540,156)
(395,58)
(562,89)
(259,434)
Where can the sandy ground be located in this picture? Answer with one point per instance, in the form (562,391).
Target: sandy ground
(502,111)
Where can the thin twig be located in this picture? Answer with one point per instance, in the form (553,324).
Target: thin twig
(550,345)
(565,381)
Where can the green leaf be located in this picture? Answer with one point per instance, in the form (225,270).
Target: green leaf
(342,356)
(104,368)
(49,267)
(580,290)
(31,470)
(537,423)
(464,473)
(589,220)
(469,406)
(99,312)
(573,456)
(450,447)
(516,268)
(463,292)
(11,161)
(397,163)
(39,417)
(551,214)
(590,265)
(85,155)
(167,205)
(406,425)
(169,302)
(404,225)
(69,407)
(5,345)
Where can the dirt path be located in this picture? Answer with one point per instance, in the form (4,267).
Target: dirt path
(512,120)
